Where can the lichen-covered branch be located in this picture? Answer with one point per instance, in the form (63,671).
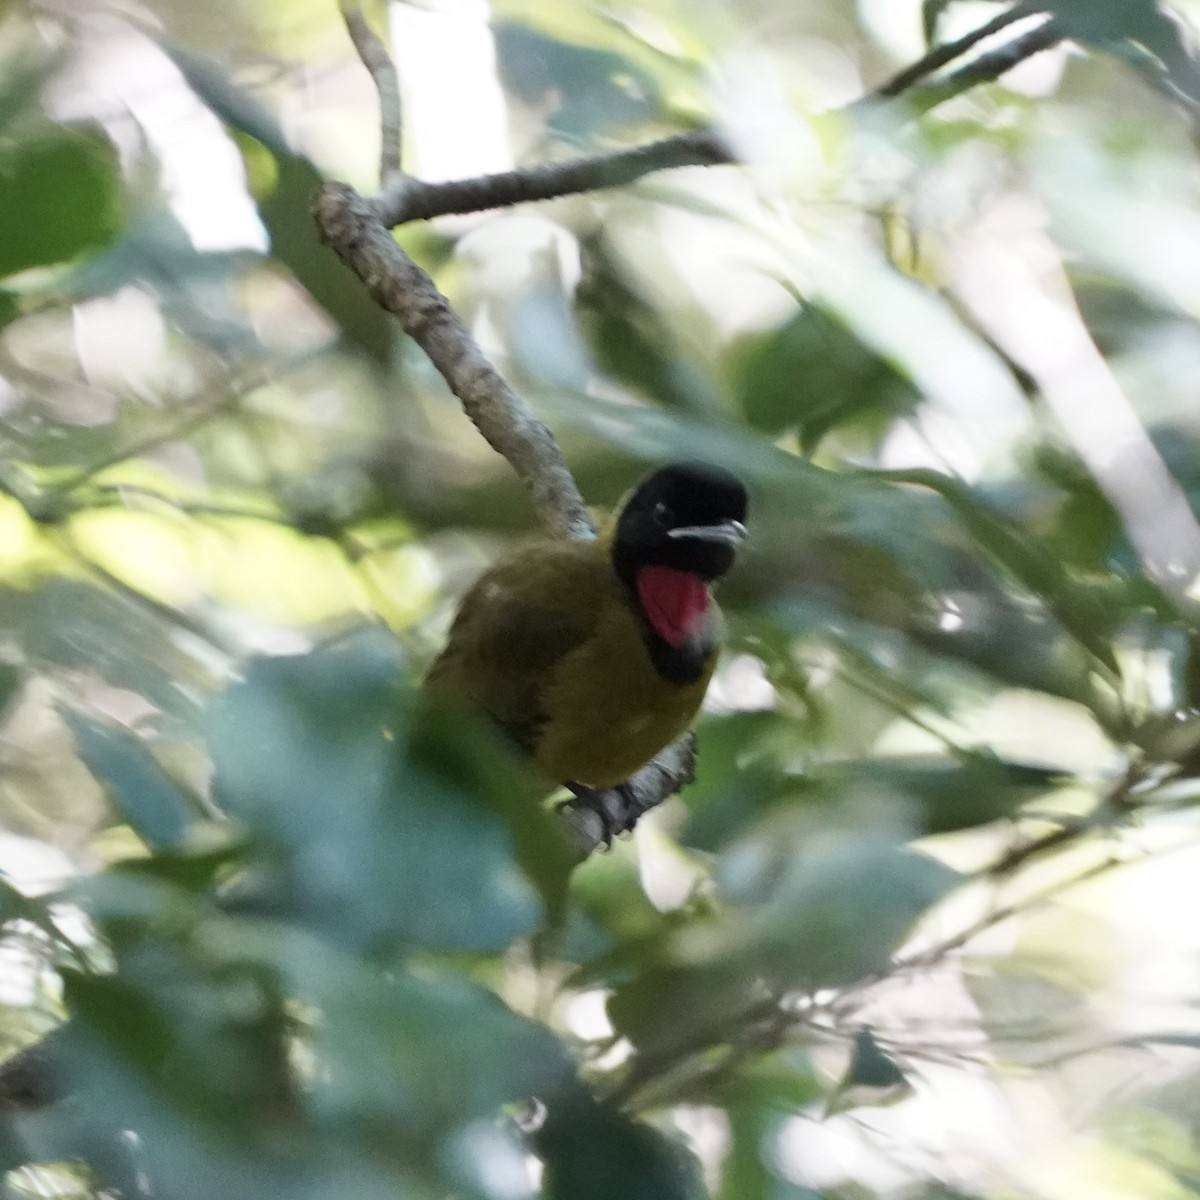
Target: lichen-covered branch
(349,224)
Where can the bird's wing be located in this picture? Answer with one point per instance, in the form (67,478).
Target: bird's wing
(513,628)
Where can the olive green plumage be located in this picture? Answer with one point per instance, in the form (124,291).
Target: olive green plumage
(593,656)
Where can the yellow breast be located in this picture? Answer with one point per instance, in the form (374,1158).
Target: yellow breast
(610,710)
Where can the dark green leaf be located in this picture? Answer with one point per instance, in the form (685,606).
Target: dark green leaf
(950,794)
(591,90)
(421,1051)
(870,1066)
(155,808)
(593,1151)
(11,678)
(210,1045)
(736,779)
(236,107)
(195,870)
(811,375)
(632,341)
(61,197)
(10,307)
(1080,610)
(285,211)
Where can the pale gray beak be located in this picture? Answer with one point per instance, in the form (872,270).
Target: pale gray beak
(728,532)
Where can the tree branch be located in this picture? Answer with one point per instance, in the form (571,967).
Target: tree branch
(943,55)
(674,768)
(408,199)
(378,62)
(350,225)
(414,200)
(987,67)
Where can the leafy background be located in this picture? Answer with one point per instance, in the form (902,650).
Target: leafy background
(924,927)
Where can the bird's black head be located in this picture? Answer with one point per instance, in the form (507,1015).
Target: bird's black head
(688,516)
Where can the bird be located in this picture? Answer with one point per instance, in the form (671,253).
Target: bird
(592,656)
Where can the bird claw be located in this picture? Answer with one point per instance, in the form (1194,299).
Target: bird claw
(615,808)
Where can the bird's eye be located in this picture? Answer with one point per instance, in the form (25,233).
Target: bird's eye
(663,515)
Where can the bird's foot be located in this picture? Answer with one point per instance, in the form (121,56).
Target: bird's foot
(615,808)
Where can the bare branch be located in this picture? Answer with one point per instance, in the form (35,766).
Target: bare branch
(943,55)
(408,199)
(351,226)
(987,67)
(378,61)
(414,200)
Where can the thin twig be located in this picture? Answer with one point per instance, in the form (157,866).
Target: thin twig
(947,52)
(987,67)
(1125,796)
(116,495)
(378,61)
(350,225)
(415,200)
(409,199)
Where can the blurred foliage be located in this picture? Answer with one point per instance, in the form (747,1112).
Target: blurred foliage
(923,925)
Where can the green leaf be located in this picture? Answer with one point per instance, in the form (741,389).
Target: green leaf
(590,90)
(812,374)
(593,1151)
(11,678)
(830,911)
(210,1044)
(10,307)
(285,211)
(195,870)
(870,1066)
(390,821)
(61,197)
(420,1052)
(736,779)
(632,341)
(1142,33)
(155,808)
(949,794)
(1080,610)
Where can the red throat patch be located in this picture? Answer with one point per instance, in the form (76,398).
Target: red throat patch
(675,603)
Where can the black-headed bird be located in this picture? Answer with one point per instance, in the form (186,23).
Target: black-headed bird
(594,656)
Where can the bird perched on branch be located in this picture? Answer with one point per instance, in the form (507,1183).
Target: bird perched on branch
(594,656)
